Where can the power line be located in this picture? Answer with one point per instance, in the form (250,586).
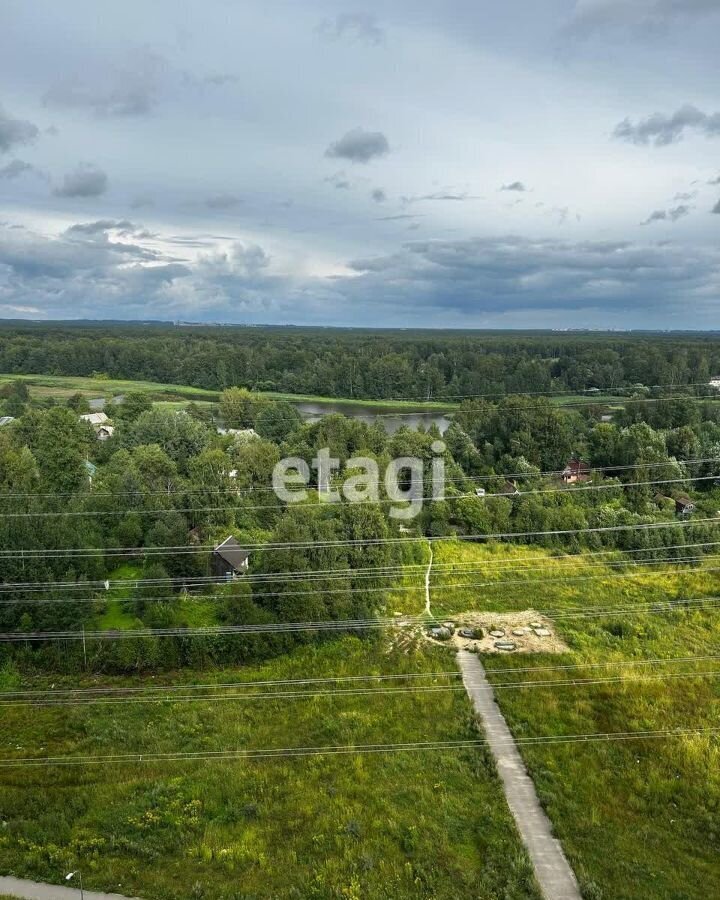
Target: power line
(208,630)
(285,682)
(169,492)
(406,569)
(278,682)
(331,624)
(351,542)
(351,692)
(376,501)
(359,749)
(404,587)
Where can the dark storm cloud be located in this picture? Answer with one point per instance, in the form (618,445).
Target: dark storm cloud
(132,86)
(15,131)
(338,180)
(422,282)
(128,89)
(497,274)
(103,226)
(596,15)
(86,180)
(452,196)
(222,201)
(358,26)
(18,167)
(661,130)
(514,186)
(359,146)
(669,215)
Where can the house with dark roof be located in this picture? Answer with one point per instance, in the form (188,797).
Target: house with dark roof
(575,471)
(684,505)
(229,559)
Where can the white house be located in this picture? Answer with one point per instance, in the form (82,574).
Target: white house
(95,419)
(104,432)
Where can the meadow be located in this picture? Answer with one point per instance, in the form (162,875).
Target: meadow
(406,824)
(177,396)
(637,818)
(626,811)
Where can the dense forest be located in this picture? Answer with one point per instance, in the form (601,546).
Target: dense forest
(144,507)
(361,364)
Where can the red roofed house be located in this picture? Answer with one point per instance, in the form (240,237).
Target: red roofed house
(576,470)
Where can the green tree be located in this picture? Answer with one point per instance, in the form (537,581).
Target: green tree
(78,403)
(60,447)
(133,406)
(275,421)
(237,408)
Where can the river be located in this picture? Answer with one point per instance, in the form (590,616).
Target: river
(390,418)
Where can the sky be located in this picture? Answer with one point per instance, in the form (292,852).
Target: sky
(407,163)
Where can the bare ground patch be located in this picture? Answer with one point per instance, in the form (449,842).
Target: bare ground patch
(526,631)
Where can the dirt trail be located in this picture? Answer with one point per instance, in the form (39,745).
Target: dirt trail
(427,581)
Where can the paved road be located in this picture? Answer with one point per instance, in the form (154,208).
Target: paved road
(552,870)
(34,890)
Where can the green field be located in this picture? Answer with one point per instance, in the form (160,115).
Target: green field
(408,824)
(498,577)
(402,825)
(177,395)
(628,811)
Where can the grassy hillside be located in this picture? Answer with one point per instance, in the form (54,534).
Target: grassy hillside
(402,825)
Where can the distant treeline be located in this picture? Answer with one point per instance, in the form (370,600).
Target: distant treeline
(361,364)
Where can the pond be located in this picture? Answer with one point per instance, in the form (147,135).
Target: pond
(390,419)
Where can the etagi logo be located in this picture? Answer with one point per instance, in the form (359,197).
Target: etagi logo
(403,480)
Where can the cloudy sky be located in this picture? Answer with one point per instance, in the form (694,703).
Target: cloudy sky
(407,163)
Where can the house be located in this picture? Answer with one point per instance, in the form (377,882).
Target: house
(104,432)
(662,499)
(606,417)
(95,419)
(480,492)
(715,382)
(229,559)
(575,471)
(684,505)
(6,420)
(509,489)
(242,434)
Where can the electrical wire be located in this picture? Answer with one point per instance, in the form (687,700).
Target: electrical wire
(359,749)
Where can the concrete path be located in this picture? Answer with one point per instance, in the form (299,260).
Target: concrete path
(552,870)
(35,890)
